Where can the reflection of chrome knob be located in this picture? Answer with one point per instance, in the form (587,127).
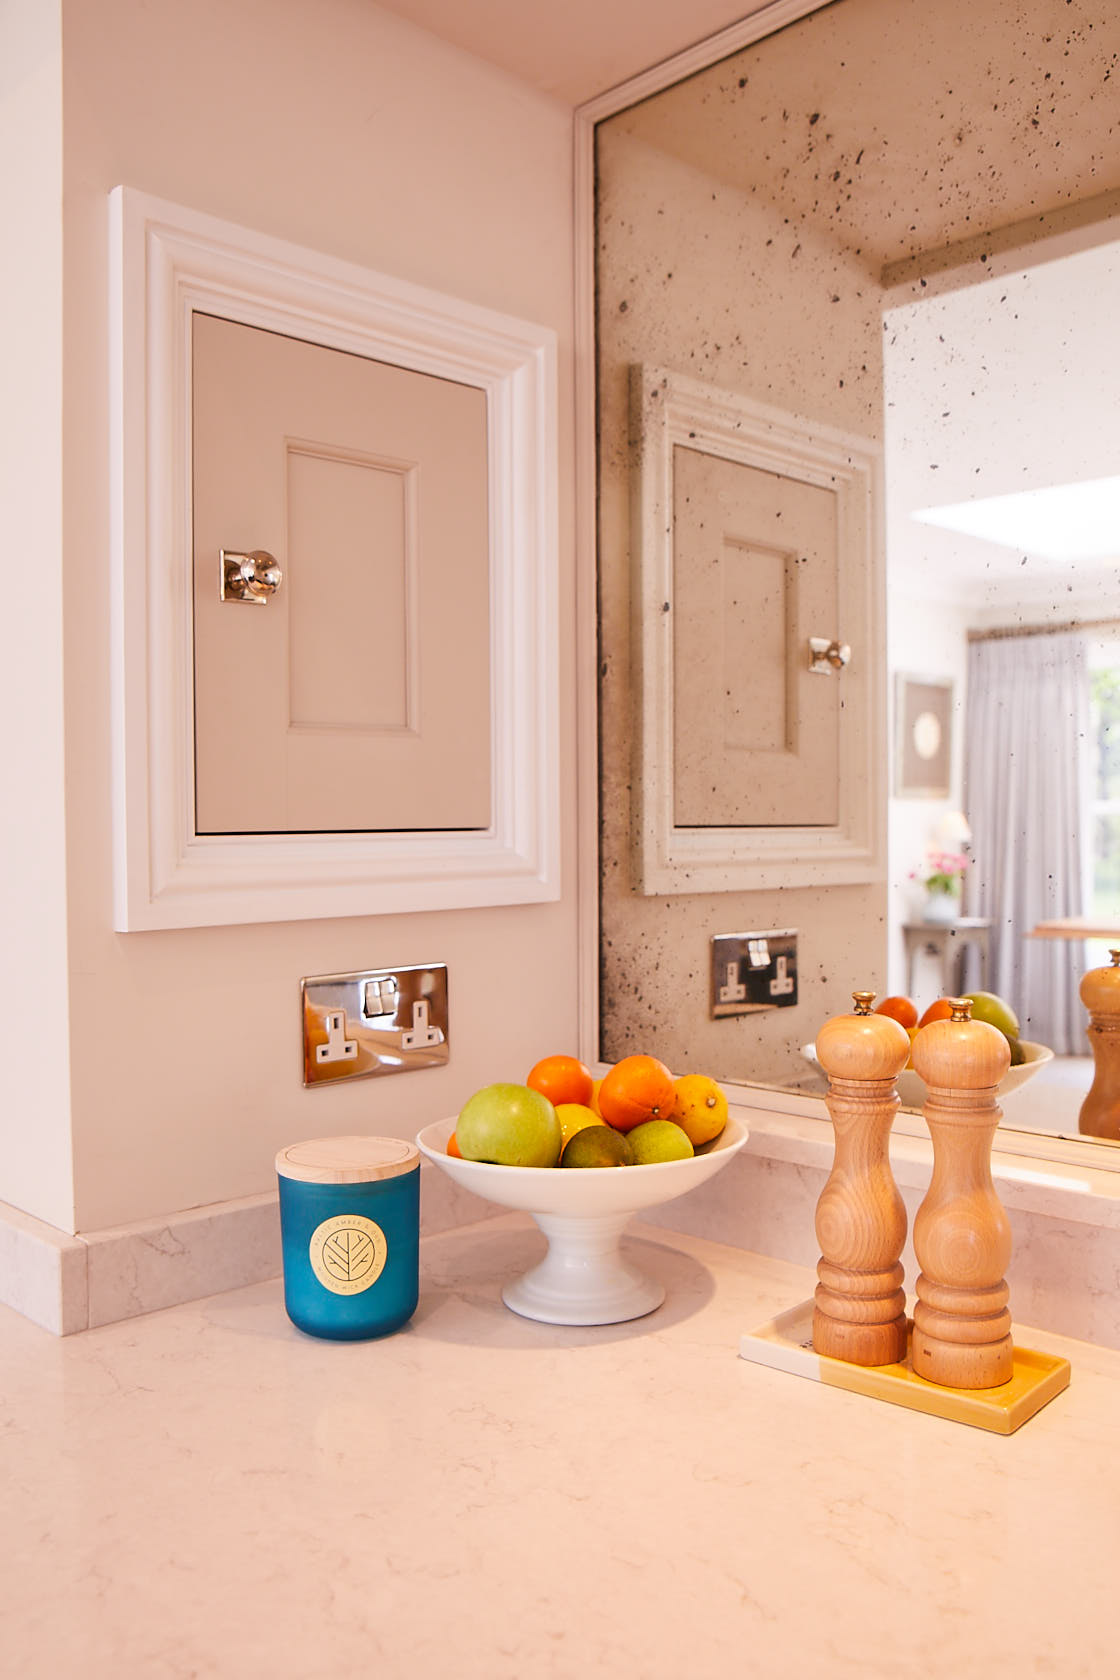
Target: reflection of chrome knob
(826,656)
(251,577)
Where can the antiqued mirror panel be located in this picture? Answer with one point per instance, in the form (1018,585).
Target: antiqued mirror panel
(861,222)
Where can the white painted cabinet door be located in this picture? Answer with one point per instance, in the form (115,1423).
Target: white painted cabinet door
(754,576)
(358,697)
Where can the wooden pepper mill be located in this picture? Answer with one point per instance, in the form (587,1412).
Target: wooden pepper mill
(1100,993)
(962,1238)
(860,1306)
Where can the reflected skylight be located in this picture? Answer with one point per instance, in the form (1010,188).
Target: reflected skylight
(1063,522)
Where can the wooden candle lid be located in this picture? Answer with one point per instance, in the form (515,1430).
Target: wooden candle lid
(347,1160)
(1100,988)
(863,1045)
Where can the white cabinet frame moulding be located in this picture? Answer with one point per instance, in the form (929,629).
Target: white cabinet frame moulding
(167,263)
(670,410)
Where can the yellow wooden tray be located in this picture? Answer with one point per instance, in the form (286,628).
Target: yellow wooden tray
(786,1344)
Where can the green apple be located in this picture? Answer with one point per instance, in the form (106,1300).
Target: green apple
(986,1006)
(511,1126)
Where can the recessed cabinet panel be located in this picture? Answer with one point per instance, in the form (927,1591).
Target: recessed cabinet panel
(355,511)
(754,575)
(357,696)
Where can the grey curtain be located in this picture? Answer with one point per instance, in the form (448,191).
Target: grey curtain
(1027,794)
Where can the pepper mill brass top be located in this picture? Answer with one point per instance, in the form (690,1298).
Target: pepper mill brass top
(962,1237)
(1100,993)
(860,1306)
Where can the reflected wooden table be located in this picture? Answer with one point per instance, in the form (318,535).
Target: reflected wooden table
(948,943)
(1077,927)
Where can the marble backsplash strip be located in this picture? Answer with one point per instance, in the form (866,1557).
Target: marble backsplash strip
(205,1251)
(69,1283)
(201,1251)
(1064,1274)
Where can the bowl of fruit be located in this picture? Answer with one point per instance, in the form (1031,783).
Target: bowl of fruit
(1026,1056)
(550,1147)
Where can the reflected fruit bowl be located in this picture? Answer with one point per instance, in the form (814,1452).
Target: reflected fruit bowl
(912,1089)
(583,1279)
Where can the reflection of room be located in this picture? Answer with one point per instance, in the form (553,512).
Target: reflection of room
(724,256)
(990,392)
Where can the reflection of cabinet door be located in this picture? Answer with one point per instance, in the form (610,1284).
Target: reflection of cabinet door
(754,576)
(358,697)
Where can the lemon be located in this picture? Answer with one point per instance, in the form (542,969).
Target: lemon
(700,1109)
(658,1140)
(597,1146)
(573,1117)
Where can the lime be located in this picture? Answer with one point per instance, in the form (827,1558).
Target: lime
(659,1140)
(986,1006)
(597,1146)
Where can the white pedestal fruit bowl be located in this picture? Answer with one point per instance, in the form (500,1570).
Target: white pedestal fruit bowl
(583,1278)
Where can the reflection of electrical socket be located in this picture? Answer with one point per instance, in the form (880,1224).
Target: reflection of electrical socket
(338,1047)
(753,971)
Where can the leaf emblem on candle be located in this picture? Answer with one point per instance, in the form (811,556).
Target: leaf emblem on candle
(347,1253)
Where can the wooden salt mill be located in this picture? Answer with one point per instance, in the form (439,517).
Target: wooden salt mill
(860,1306)
(1100,993)
(962,1237)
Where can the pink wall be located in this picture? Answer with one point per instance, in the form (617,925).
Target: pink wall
(35,1110)
(340,127)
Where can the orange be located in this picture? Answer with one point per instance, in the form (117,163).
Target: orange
(562,1079)
(593,1100)
(939,1011)
(637,1088)
(453,1146)
(900,1009)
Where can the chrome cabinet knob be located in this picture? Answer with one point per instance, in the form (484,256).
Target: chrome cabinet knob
(251,577)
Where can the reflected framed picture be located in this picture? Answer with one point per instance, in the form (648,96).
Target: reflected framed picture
(923,737)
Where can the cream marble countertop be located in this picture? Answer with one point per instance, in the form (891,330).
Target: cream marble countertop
(205,1492)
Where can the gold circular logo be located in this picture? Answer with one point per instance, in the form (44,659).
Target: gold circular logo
(347,1253)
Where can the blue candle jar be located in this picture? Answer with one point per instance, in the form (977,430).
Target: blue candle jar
(350,1229)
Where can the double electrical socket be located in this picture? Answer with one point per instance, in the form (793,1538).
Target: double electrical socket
(374,1022)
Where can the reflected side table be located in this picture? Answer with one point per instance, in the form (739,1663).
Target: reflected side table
(948,943)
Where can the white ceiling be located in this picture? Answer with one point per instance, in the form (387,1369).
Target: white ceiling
(573,49)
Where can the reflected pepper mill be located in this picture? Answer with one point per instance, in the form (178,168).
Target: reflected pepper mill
(859,1311)
(962,1237)
(1100,993)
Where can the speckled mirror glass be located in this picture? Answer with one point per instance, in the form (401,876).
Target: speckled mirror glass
(899,223)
